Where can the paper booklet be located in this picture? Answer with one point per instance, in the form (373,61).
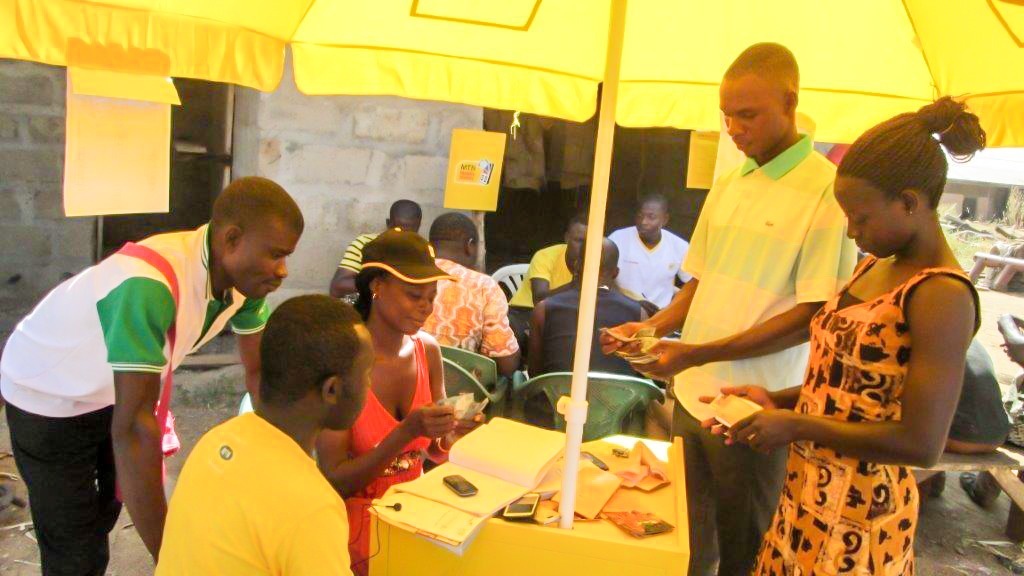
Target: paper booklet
(504,459)
(447,527)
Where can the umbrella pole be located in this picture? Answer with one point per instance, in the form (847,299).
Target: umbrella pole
(575,409)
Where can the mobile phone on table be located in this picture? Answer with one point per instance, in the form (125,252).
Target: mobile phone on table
(522,509)
(459,485)
(597,461)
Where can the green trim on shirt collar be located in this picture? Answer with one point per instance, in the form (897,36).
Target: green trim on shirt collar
(781,165)
(206,261)
(225,298)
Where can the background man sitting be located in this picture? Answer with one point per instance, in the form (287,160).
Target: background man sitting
(549,270)
(471,313)
(650,257)
(405,214)
(980,423)
(553,324)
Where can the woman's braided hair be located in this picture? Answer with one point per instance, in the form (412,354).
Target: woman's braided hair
(904,152)
(364,300)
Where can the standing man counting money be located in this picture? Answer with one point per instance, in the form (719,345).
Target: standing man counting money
(769,249)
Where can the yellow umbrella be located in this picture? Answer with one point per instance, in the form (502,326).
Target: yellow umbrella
(861,62)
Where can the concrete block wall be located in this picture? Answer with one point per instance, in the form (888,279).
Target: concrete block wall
(989,199)
(38,245)
(344,159)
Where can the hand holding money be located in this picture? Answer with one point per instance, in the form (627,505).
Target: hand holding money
(612,339)
(663,359)
(639,349)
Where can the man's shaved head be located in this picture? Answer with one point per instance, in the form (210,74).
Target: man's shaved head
(758,98)
(770,61)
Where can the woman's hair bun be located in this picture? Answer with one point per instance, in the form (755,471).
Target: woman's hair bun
(959,130)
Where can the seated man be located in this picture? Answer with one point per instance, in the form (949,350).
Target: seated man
(549,270)
(404,214)
(650,257)
(553,324)
(251,499)
(471,313)
(994,424)
(980,423)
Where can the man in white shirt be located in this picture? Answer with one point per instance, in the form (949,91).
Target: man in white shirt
(650,257)
(83,372)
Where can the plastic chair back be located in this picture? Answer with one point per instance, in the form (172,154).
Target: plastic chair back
(510,278)
(457,380)
(618,404)
(484,369)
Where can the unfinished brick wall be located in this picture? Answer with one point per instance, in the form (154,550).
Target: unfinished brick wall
(345,159)
(38,245)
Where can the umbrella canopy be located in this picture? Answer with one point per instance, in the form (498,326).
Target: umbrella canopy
(861,62)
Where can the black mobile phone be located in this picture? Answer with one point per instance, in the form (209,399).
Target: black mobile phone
(459,485)
(597,461)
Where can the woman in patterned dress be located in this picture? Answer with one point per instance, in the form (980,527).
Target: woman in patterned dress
(400,424)
(886,365)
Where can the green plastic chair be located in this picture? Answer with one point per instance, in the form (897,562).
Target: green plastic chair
(458,380)
(484,369)
(618,404)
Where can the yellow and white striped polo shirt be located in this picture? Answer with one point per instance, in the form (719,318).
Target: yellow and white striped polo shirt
(768,238)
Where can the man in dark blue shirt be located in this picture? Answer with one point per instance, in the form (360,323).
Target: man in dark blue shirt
(554,320)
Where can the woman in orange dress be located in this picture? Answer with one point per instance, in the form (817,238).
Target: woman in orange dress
(886,365)
(400,424)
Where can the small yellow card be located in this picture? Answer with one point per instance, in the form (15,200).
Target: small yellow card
(474,170)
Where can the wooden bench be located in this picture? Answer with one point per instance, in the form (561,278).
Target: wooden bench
(1002,464)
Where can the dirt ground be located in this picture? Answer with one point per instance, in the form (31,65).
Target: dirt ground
(950,526)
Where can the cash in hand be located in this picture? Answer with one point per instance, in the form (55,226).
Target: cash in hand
(645,338)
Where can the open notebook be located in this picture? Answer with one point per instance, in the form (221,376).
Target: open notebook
(504,459)
(447,527)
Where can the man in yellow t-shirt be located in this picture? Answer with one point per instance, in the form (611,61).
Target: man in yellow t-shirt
(251,500)
(549,270)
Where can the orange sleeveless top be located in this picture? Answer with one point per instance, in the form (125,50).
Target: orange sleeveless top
(839,514)
(373,425)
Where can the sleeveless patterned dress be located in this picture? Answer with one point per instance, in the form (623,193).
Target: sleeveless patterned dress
(373,425)
(837,514)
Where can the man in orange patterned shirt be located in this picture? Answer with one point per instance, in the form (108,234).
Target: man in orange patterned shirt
(472,313)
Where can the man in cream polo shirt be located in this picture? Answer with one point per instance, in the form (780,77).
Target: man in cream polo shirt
(769,249)
(82,373)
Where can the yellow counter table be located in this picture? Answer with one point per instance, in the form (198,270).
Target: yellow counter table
(594,548)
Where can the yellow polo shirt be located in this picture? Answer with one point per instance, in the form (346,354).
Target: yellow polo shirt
(547,264)
(768,238)
(251,502)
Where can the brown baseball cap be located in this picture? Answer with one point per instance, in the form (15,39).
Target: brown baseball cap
(406,255)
